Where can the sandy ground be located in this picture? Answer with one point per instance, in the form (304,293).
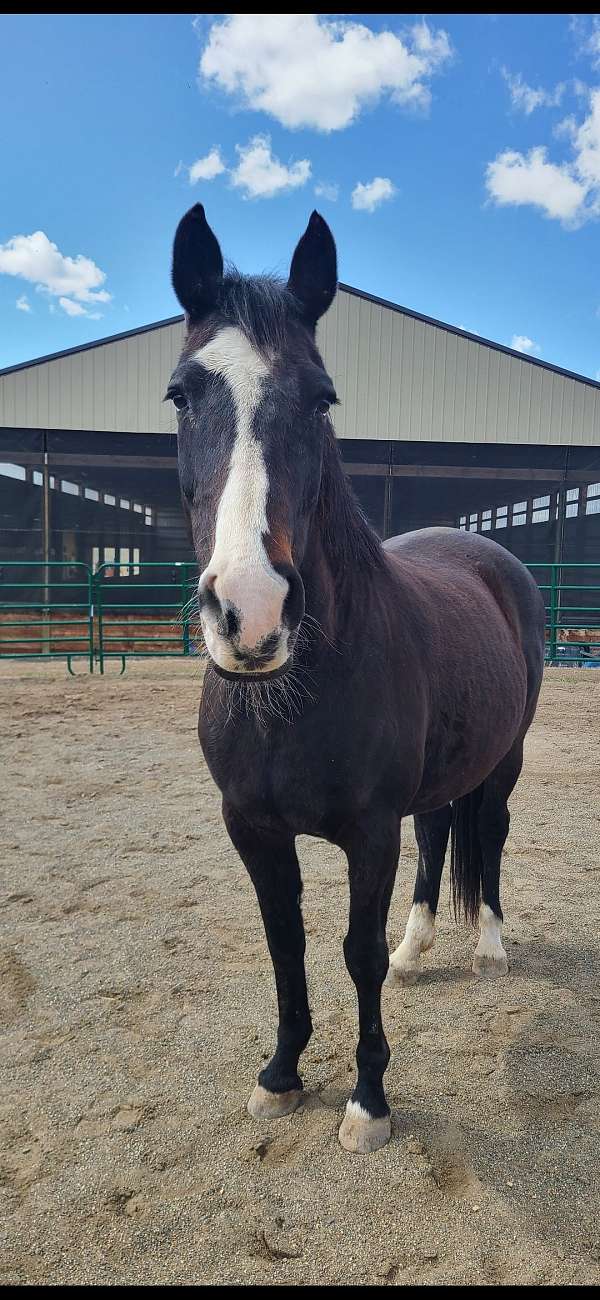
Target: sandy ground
(137,1004)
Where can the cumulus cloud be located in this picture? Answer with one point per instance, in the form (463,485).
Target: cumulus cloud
(586,30)
(75,280)
(521,343)
(72,308)
(326,190)
(365,198)
(306,70)
(23,303)
(526,98)
(568,191)
(530,179)
(205,169)
(260,175)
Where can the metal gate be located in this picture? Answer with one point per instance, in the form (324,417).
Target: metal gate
(62,610)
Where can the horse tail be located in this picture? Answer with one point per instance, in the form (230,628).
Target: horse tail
(466,863)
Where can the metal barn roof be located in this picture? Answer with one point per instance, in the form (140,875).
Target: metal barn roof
(399,375)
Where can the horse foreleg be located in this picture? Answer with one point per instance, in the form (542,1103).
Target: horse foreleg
(372,859)
(273,867)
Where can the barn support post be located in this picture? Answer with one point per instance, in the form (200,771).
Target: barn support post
(559,542)
(46,505)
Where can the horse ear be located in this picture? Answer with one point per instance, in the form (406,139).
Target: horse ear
(197,263)
(313,273)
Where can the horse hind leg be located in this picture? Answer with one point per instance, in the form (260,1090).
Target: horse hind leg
(432,831)
(493,819)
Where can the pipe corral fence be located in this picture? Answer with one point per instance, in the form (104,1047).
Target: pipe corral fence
(65,610)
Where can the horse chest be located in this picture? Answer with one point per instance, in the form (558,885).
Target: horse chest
(287,775)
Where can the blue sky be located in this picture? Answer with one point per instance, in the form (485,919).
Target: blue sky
(459,157)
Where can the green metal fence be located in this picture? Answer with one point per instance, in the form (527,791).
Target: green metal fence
(64,610)
(573,628)
(144,610)
(47,611)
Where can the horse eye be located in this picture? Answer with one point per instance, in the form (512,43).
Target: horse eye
(322,407)
(178,400)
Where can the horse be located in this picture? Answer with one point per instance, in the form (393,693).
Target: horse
(349,683)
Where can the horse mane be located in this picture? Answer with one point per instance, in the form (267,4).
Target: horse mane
(348,538)
(260,305)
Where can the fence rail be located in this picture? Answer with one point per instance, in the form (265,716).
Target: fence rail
(125,610)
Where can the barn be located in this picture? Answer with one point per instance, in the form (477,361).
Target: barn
(436,426)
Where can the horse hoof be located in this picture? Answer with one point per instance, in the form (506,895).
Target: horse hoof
(490,968)
(361,1134)
(273,1105)
(404,973)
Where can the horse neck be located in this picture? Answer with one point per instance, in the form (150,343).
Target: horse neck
(344,569)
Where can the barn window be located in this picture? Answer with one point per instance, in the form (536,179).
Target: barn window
(91,494)
(12,471)
(592,505)
(501,516)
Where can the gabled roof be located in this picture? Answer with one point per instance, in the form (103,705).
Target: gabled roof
(400,375)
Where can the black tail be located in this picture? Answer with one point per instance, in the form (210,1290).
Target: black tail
(465,855)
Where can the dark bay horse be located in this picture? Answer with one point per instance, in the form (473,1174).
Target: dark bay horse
(349,683)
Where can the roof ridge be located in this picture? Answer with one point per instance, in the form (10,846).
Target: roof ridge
(346,288)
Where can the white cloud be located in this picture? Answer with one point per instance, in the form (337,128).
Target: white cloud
(521,343)
(23,303)
(587,36)
(365,198)
(72,308)
(526,99)
(205,169)
(260,175)
(325,190)
(36,259)
(530,179)
(568,191)
(307,70)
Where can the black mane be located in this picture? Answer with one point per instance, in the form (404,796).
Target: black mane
(260,305)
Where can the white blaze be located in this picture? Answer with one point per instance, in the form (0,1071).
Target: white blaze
(239,568)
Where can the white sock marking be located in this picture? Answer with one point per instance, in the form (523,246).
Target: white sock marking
(418,938)
(490,936)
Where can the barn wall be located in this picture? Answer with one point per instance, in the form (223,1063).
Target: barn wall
(399,378)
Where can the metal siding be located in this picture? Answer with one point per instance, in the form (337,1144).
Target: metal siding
(397,378)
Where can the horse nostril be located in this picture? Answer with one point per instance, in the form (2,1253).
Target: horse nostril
(208,581)
(231,622)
